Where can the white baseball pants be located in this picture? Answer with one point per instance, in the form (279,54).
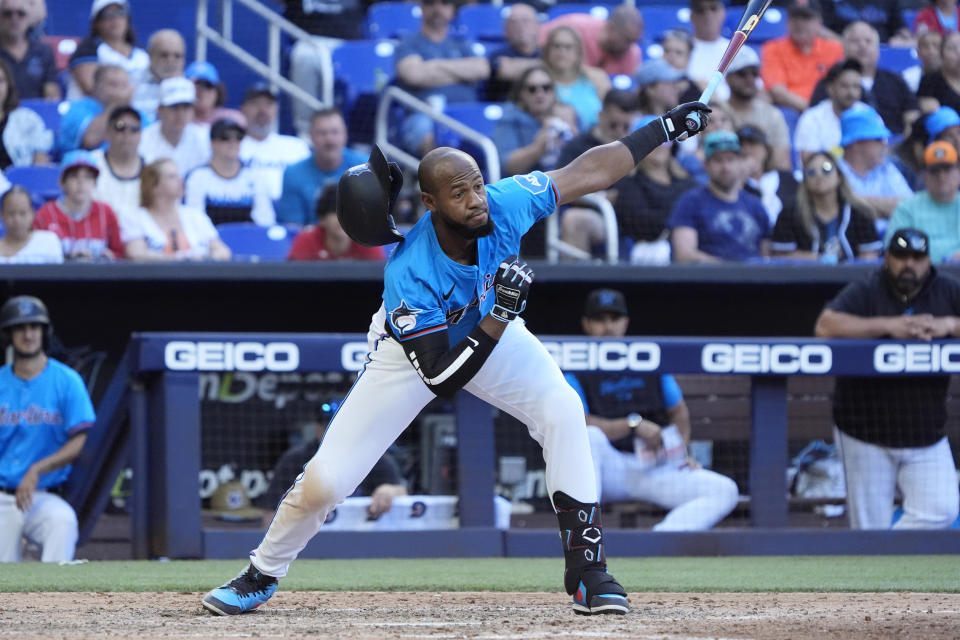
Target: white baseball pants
(520,377)
(926,476)
(50,523)
(697,498)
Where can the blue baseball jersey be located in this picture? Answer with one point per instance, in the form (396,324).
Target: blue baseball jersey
(37,417)
(425,291)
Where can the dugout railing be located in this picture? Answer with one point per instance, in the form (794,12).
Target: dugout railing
(156,388)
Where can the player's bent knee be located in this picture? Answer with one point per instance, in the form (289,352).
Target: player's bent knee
(318,488)
(562,408)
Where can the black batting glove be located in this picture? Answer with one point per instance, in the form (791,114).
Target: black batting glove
(677,123)
(511,287)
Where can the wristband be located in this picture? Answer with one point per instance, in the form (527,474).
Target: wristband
(642,141)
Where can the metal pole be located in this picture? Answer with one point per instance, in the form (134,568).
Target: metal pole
(202,17)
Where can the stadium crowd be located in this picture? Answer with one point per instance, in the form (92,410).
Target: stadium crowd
(817,151)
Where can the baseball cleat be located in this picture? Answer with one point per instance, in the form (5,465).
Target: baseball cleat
(244,593)
(604,595)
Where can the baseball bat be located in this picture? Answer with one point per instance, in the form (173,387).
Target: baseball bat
(750,19)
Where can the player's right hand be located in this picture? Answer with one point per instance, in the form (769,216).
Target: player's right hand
(678,126)
(511,287)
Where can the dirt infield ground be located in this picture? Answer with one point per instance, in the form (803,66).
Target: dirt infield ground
(492,616)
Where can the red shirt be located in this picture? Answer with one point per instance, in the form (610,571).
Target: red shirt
(95,232)
(309,245)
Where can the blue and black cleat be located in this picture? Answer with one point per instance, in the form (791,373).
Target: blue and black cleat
(244,593)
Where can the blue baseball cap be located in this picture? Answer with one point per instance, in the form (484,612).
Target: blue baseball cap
(202,70)
(720,141)
(78,158)
(658,70)
(862,123)
(941,120)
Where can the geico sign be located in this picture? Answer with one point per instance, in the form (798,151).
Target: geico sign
(353,355)
(605,356)
(916,358)
(231,356)
(766,358)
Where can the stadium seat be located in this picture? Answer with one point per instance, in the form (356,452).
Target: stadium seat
(897,59)
(41,181)
(251,242)
(63,47)
(50,110)
(596,9)
(481,22)
(772,25)
(480,116)
(362,69)
(909,17)
(657,19)
(392,19)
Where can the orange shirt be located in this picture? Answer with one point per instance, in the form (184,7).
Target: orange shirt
(783,63)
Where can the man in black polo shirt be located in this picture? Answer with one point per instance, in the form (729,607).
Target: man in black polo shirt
(891,430)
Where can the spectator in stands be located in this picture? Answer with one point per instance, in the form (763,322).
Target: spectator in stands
(36,18)
(677,45)
(84,126)
(87,228)
(327,240)
(942,87)
(303,181)
(534,126)
(47,414)
(21,243)
(330,22)
(639,429)
(174,135)
(775,187)
(747,107)
(167,52)
(225,189)
(885,91)
(384,482)
(936,210)
(263,148)
(120,164)
(818,127)
(519,52)
(884,16)
(211,95)
(614,121)
(928,51)
(891,430)
(793,64)
(611,44)
(866,164)
(162,229)
(939,18)
(827,222)
(707,18)
(32,61)
(943,124)
(436,67)
(657,86)
(643,202)
(24,138)
(578,85)
(720,221)
(111,41)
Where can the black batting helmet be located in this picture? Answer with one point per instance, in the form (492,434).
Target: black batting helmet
(365,196)
(23,310)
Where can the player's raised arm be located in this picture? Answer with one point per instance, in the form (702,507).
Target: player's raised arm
(600,167)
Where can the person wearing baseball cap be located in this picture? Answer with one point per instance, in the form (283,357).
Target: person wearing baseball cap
(88,229)
(720,221)
(263,148)
(111,40)
(763,179)
(174,135)
(865,162)
(943,124)
(891,430)
(211,95)
(935,210)
(657,86)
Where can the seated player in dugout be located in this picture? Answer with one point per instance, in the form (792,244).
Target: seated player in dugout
(384,482)
(639,430)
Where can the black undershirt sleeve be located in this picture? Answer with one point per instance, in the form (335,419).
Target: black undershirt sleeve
(444,368)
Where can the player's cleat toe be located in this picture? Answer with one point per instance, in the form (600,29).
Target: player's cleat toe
(604,595)
(244,593)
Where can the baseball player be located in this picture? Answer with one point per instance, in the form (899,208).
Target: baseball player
(453,289)
(45,412)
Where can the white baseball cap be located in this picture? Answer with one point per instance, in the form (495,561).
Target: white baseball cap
(100,5)
(745,58)
(177,91)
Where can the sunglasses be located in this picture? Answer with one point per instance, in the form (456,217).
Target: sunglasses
(112,12)
(824,169)
(429,2)
(10,13)
(120,127)
(747,71)
(230,136)
(534,88)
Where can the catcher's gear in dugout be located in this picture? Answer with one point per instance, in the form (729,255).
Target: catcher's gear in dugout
(365,197)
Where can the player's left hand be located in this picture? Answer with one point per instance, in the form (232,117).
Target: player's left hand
(511,287)
(677,125)
(28,485)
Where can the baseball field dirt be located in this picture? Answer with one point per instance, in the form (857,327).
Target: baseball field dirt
(492,616)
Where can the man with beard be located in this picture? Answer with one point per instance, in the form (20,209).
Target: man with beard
(891,430)
(453,291)
(818,128)
(45,412)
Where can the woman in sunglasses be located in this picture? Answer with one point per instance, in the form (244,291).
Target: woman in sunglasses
(828,222)
(578,85)
(111,41)
(534,125)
